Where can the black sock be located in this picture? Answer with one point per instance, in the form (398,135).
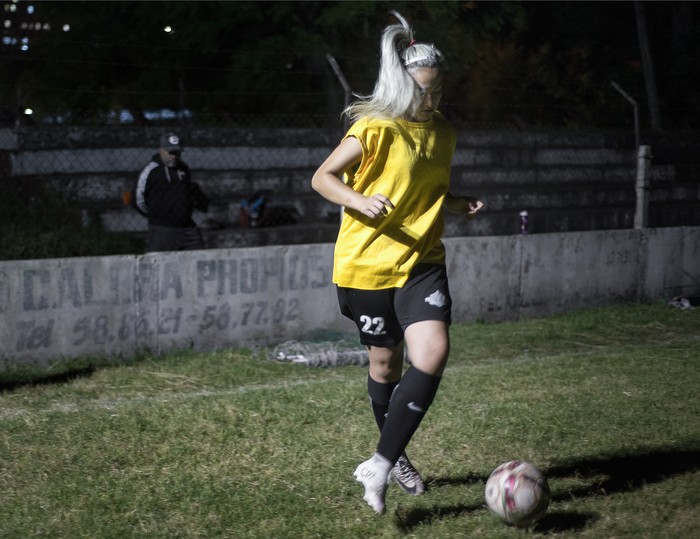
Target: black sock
(409,403)
(379,397)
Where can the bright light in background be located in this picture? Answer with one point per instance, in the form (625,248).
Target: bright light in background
(22,25)
(28,112)
(66,27)
(169,30)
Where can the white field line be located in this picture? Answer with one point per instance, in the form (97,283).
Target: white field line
(119,402)
(113,404)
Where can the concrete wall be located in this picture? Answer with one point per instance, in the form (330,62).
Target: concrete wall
(206,300)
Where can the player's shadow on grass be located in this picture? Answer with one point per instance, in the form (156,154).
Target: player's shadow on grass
(11,384)
(412,518)
(607,474)
(625,472)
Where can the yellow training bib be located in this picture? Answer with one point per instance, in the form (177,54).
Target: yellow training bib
(409,163)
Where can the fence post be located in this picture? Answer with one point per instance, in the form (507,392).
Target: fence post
(344,83)
(635,110)
(641,213)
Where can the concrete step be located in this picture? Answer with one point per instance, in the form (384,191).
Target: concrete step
(475,177)
(296,234)
(504,223)
(283,210)
(544,199)
(234,184)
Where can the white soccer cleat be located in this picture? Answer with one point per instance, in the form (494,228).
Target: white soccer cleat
(407,477)
(374,476)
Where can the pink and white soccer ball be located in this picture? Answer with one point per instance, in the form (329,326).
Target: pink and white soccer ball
(518,493)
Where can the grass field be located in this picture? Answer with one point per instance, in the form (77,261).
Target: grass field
(227,444)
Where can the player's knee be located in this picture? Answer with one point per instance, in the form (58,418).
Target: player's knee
(429,364)
(385,364)
(429,353)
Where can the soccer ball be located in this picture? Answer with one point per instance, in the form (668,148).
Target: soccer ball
(518,493)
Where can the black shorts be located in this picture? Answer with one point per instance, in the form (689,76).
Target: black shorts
(382,316)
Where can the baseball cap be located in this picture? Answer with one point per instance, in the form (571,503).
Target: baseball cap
(170,142)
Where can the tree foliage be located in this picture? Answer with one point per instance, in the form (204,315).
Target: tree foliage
(518,64)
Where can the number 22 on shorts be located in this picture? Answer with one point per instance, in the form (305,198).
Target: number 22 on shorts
(373,326)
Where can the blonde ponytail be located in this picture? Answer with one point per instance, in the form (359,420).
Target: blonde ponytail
(395,90)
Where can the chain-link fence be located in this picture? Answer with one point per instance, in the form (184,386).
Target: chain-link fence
(72,191)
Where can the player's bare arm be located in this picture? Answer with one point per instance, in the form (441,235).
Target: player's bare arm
(328,183)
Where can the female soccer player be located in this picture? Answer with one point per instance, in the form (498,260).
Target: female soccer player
(389,261)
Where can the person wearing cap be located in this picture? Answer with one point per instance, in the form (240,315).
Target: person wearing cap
(167,196)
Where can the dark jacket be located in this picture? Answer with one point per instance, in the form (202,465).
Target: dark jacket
(168,196)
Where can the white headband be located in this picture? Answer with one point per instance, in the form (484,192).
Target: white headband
(416,60)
